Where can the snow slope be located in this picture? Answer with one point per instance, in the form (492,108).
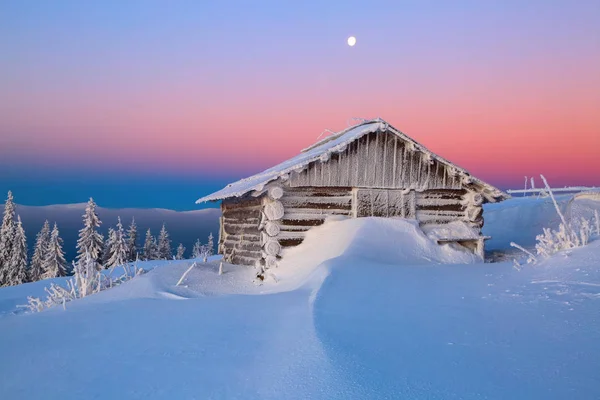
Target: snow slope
(367,308)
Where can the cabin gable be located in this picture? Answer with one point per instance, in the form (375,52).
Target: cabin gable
(379,160)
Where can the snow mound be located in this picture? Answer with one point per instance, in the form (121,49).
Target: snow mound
(384,240)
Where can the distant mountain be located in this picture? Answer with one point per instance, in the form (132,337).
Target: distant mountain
(184,227)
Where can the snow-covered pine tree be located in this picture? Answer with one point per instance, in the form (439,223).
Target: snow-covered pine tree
(197,249)
(90,241)
(118,247)
(164,245)
(7,231)
(36,269)
(54,263)
(180,252)
(17,266)
(210,246)
(132,237)
(108,247)
(150,247)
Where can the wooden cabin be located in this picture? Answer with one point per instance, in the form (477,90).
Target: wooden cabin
(370,169)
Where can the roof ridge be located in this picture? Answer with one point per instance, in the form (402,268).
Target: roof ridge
(340,133)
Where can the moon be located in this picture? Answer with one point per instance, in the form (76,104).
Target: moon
(351,41)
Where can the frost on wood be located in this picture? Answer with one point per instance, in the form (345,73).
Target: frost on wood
(272,228)
(274,210)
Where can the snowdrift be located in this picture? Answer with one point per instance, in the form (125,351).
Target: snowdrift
(368,308)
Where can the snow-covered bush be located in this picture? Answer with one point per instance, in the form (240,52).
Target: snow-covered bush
(570,234)
(87,280)
(204,251)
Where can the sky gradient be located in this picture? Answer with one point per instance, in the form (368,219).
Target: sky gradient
(163,102)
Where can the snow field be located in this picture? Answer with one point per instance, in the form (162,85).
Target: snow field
(367,308)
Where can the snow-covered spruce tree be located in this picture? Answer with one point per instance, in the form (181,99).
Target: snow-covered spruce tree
(150,250)
(132,237)
(180,252)
(90,241)
(7,231)
(36,268)
(197,249)
(118,247)
(17,266)
(164,245)
(108,247)
(54,263)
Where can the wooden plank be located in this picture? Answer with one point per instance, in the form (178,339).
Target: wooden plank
(410,208)
(242,214)
(240,260)
(295,228)
(290,242)
(395,203)
(233,221)
(363,203)
(441,207)
(237,229)
(341,202)
(244,245)
(394,162)
(291,220)
(252,237)
(290,235)
(365,162)
(315,211)
(379,203)
(317,191)
(357,166)
(442,193)
(243,202)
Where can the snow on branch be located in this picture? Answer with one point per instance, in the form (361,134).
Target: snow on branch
(87,280)
(569,235)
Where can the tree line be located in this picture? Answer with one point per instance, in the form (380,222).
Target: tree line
(48,259)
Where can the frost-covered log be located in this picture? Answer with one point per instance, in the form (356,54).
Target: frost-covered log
(275,192)
(272,229)
(272,247)
(274,210)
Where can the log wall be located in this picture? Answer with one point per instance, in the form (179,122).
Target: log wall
(440,206)
(305,208)
(240,239)
(378,160)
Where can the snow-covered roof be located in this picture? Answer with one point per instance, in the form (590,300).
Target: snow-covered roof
(335,143)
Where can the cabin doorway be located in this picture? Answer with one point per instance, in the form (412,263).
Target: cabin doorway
(384,203)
